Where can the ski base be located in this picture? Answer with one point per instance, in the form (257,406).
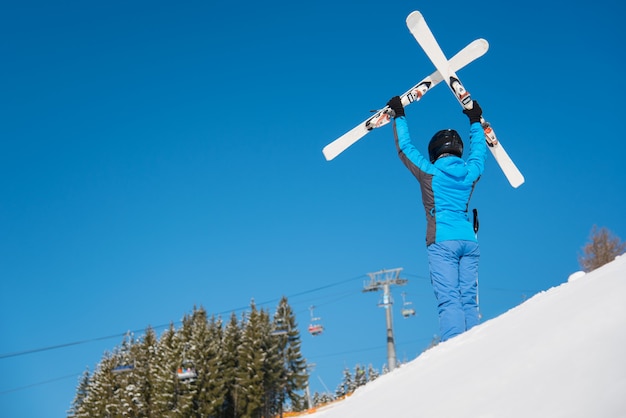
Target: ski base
(425,38)
(471,52)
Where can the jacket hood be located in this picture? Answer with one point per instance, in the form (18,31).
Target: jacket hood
(452,166)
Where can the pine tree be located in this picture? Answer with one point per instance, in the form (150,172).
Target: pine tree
(125,399)
(230,363)
(165,399)
(210,381)
(81,394)
(602,249)
(145,375)
(317,399)
(385,369)
(110,385)
(293,377)
(100,401)
(273,368)
(251,373)
(372,373)
(360,377)
(320,399)
(186,356)
(347,384)
(198,360)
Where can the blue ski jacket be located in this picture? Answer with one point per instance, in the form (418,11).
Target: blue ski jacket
(446,185)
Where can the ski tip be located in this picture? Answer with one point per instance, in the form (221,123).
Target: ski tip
(515,177)
(483,44)
(332,150)
(328,154)
(517,182)
(414,18)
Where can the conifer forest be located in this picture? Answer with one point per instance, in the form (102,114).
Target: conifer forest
(250,366)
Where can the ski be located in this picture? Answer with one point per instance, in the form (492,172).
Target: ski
(381,117)
(425,38)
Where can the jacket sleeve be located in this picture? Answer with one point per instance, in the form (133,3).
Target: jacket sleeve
(477,150)
(410,156)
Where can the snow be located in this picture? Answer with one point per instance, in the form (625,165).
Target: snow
(559,354)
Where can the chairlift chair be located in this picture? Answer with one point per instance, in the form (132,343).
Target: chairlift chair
(278,332)
(407,311)
(315,328)
(122,368)
(186,372)
(280,328)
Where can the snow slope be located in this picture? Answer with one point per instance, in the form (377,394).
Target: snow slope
(562,353)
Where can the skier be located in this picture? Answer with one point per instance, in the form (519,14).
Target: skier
(447,183)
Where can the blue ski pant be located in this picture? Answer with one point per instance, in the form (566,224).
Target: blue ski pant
(454,275)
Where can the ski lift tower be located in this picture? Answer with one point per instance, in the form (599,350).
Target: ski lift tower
(384,279)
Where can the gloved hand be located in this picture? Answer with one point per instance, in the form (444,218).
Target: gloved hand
(474,114)
(396,105)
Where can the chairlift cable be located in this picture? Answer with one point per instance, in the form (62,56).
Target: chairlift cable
(45,382)
(108,337)
(122,335)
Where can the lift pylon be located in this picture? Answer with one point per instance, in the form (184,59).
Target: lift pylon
(384,279)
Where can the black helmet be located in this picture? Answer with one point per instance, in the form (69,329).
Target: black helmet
(447,141)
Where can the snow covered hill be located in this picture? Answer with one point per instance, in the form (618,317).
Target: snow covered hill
(562,353)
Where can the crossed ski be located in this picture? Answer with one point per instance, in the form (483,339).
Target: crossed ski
(468,54)
(446,71)
(423,35)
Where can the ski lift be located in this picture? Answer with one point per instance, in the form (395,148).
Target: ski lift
(315,328)
(122,368)
(278,332)
(407,311)
(124,362)
(187,372)
(280,328)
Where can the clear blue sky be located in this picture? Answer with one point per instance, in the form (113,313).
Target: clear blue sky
(160,155)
